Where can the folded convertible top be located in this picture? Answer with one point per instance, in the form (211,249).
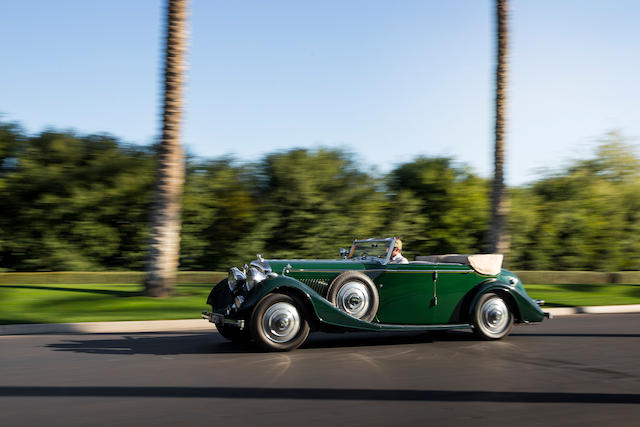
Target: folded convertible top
(489,264)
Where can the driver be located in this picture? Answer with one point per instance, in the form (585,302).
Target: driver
(396,255)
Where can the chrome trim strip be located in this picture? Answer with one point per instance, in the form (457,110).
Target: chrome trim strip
(302,270)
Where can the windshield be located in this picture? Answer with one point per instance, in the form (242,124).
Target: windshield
(378,248)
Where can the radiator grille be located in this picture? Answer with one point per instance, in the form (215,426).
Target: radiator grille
(318,285)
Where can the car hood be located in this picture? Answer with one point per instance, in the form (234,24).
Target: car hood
(280,265)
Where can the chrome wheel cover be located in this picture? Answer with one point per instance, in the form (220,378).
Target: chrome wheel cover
(353,298)
(494,316)
(281,322)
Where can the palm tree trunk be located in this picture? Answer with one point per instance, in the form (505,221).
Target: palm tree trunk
(162,263)
(498,239)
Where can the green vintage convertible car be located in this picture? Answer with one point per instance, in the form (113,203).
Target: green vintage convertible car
(276,303)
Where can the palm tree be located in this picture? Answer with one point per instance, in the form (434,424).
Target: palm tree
(163,256)
(498,239)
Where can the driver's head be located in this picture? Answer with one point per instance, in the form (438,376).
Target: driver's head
(397,247)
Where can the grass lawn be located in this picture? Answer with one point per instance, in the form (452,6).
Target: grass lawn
(61,303)
(583,295)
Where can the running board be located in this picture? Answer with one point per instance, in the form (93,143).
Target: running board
(386,327)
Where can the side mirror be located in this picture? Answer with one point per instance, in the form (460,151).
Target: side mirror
(344,253)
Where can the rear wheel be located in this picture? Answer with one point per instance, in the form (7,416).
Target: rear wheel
(492,317)
(278,323)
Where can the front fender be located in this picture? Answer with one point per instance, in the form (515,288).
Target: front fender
(527,309)
(323,310)
(220,296)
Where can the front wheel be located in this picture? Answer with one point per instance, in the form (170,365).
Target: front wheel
(492,318)
(278,323)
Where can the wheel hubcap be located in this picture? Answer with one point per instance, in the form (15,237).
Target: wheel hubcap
(495,315)
(281,322)
(353,299)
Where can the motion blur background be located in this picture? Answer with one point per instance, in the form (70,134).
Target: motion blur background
(312,124)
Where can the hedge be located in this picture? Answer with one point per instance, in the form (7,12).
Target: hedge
(119,277)
(579,277)
(210,277)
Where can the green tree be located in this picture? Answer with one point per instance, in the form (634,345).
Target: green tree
(10,137)
(74,203)
(448,204)
(316,200)
(221,217)
(584,217)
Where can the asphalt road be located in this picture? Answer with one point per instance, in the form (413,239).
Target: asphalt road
(581,370)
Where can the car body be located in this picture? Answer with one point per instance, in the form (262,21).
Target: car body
(277,302)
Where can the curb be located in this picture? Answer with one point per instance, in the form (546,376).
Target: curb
(596,309)
(192,325)
(108,327)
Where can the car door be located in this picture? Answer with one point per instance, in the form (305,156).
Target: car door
(406,294)
(454,283)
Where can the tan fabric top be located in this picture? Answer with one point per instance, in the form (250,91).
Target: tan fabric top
(489,264)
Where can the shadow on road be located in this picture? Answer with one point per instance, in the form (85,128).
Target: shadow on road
(322,394)
(151,343)
(366,339)
(213,343)
(595,335)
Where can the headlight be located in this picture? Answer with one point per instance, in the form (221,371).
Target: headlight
(235,276)
(257,272)
(254,276)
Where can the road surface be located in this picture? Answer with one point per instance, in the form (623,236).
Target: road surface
(581,370)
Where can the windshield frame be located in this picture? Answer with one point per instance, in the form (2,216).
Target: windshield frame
(389,240)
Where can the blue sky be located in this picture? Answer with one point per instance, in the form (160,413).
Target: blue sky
(387,81)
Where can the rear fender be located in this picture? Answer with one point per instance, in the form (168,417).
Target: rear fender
(524,308)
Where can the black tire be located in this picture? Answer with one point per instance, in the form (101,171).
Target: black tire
(492,317)
(233,333)
(355,293)
(278,323)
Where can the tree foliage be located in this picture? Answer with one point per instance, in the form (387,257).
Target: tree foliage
(448,206)
(220,220)
(73,202)
(314,201)
(581,218)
